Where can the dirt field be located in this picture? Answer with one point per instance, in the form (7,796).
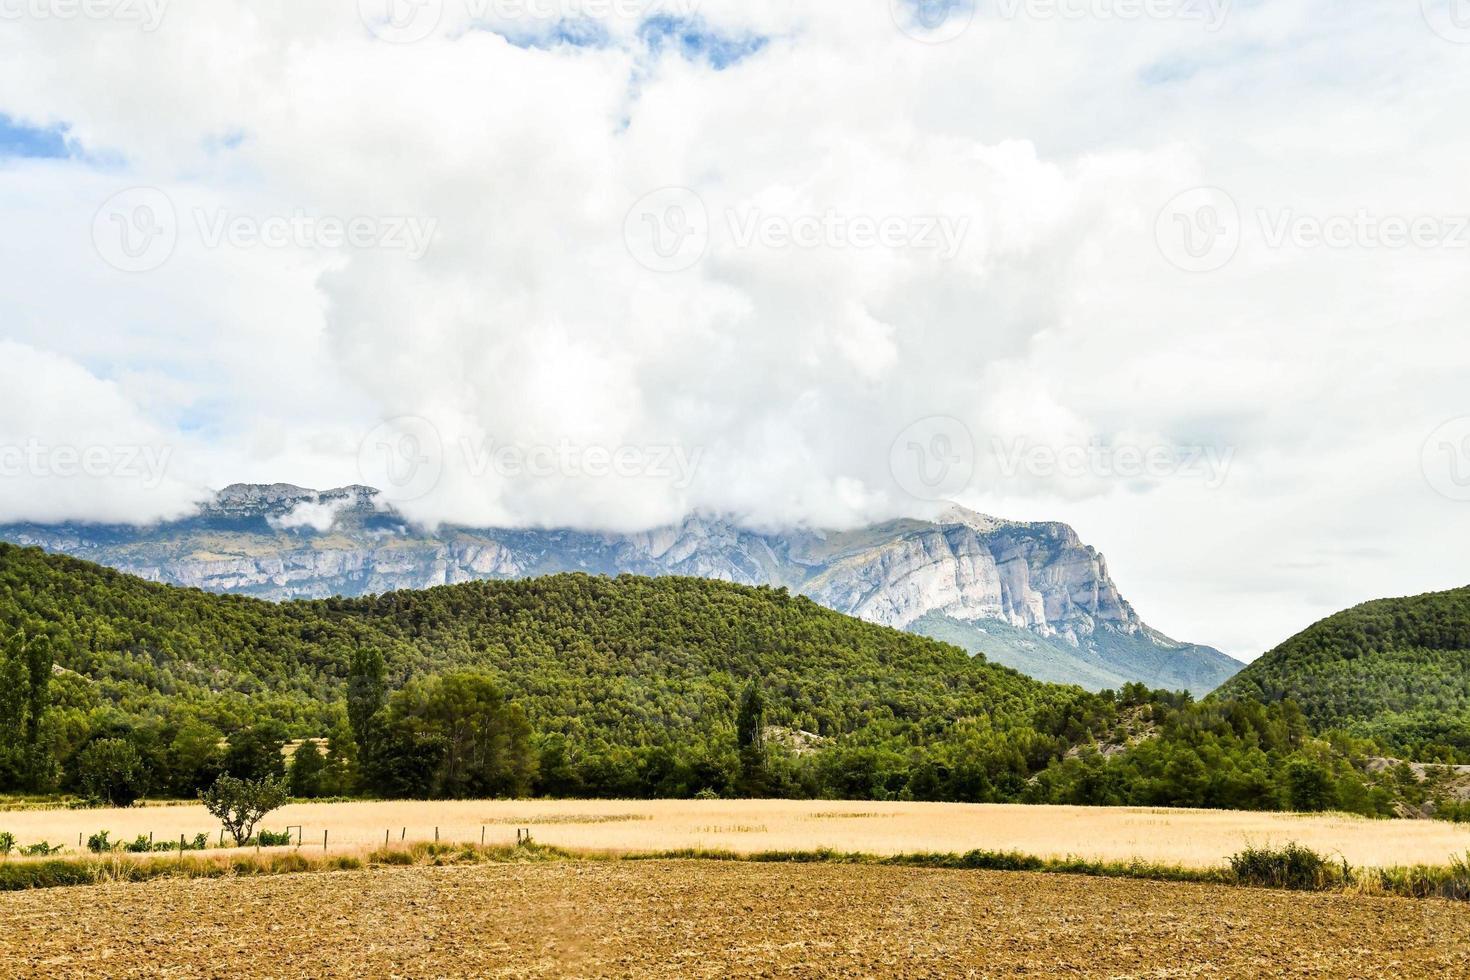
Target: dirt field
(713,919)
(1194,838)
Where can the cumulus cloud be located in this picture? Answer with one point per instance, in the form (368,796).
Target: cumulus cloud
(865,231)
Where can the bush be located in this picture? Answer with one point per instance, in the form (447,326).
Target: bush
(7,844)
(1293,866)
(100,842)
(268,838)
(43,849)
(142,844)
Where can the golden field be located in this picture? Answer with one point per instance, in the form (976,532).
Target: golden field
(1189,838)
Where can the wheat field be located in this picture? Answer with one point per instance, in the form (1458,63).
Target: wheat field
(1189,838)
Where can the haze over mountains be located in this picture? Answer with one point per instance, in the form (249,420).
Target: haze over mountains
(1028,595)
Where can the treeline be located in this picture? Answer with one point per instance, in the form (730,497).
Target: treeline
(1225,755)
(574,685)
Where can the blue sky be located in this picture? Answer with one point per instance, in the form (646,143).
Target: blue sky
(20,140)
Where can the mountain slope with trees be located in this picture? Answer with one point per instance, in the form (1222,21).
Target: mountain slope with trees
(1395,670)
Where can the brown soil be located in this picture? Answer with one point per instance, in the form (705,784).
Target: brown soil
(711,919)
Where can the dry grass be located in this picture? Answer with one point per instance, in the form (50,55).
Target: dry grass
(1188,838)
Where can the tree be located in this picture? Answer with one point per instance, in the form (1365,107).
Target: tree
(255,752)
(1309,786)
(25,676)
(240,804)
(750,737)
(750,723)
(110,770)
(453,736)
(308,768)
(367,693)
(39,764)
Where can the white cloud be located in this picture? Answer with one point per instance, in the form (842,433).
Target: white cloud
(319,515)
(789,371)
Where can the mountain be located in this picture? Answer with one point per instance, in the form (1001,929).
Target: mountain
(1030,595)
(1396,670)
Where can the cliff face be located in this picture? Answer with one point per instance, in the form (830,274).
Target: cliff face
(1030,595)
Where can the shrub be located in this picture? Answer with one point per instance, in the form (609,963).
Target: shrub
(43,849)
(142,844)
(100,842)
(268,838)
(7,844)
(1293,866)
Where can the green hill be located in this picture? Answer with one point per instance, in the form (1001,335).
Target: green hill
(1395,670)
(630,678)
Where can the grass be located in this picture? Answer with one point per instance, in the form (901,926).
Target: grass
(1292,867)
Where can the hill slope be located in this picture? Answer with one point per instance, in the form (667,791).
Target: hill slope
(622,668)
(1397,670)
(1030,595)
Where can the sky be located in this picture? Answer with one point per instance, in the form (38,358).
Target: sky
(1188,275)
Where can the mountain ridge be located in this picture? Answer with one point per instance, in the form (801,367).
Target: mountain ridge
(974,572)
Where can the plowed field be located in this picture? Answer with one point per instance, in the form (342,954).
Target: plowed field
(713,919)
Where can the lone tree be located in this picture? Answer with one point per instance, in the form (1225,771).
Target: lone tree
(240,804)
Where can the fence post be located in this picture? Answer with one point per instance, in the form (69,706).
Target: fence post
(436,835)
(324,842)
(403,834)
(482,835)
(385,837)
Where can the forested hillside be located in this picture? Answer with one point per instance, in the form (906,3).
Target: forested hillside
(624,680)
(576,685)
(1396,670)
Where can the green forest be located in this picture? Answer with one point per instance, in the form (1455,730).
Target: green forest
(1394,670)
(574,685)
